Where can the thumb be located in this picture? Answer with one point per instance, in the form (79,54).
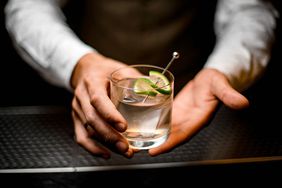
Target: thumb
(222,89)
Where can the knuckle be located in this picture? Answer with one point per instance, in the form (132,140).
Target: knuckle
(90,119)
(224,94)
(94,99)
(81,140)
(74,104)
(77,92)
(110,137)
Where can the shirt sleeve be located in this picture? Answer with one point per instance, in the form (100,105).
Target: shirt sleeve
(245,31)
(40,34)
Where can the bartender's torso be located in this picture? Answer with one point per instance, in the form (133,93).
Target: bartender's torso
(148,31)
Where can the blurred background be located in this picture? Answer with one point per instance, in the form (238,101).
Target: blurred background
(21,85)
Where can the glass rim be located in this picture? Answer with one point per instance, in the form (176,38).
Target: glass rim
(115,81)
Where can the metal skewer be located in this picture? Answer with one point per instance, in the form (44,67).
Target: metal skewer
(175,55)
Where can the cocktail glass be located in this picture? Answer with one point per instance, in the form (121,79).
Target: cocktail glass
(143,94)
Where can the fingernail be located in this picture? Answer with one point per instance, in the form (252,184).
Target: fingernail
(122,147)
(121,126)
(128,154)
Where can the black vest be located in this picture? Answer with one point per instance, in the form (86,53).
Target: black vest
(148,31)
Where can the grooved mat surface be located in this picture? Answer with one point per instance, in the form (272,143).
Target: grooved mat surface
(42,137)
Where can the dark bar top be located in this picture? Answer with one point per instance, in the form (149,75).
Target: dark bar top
(37,148)
(40,139)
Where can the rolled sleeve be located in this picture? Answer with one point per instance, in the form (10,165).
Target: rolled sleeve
(40,34)
(245,34)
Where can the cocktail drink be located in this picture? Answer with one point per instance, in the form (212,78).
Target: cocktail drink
(143,94)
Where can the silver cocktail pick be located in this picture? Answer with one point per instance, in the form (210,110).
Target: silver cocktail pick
(175,55)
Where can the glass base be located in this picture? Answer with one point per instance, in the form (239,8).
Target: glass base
(144,144)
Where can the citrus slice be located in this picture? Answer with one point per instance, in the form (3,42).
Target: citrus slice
(161,83)
(143,86)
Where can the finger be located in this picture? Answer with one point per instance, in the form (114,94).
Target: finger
(104,106)
(91,132)
(83,139)
(129,153)
(175,138)
(229,96)
(76,107)
(182,131)
(102,129)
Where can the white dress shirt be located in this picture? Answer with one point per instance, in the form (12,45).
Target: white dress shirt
(244,29)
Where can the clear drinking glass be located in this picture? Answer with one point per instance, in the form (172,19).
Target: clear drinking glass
(146,108)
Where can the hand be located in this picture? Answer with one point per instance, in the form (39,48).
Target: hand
(195,105)
(97,123)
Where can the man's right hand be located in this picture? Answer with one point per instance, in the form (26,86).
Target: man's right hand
(97,123)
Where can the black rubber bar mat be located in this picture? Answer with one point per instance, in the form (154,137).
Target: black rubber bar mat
(40,139)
